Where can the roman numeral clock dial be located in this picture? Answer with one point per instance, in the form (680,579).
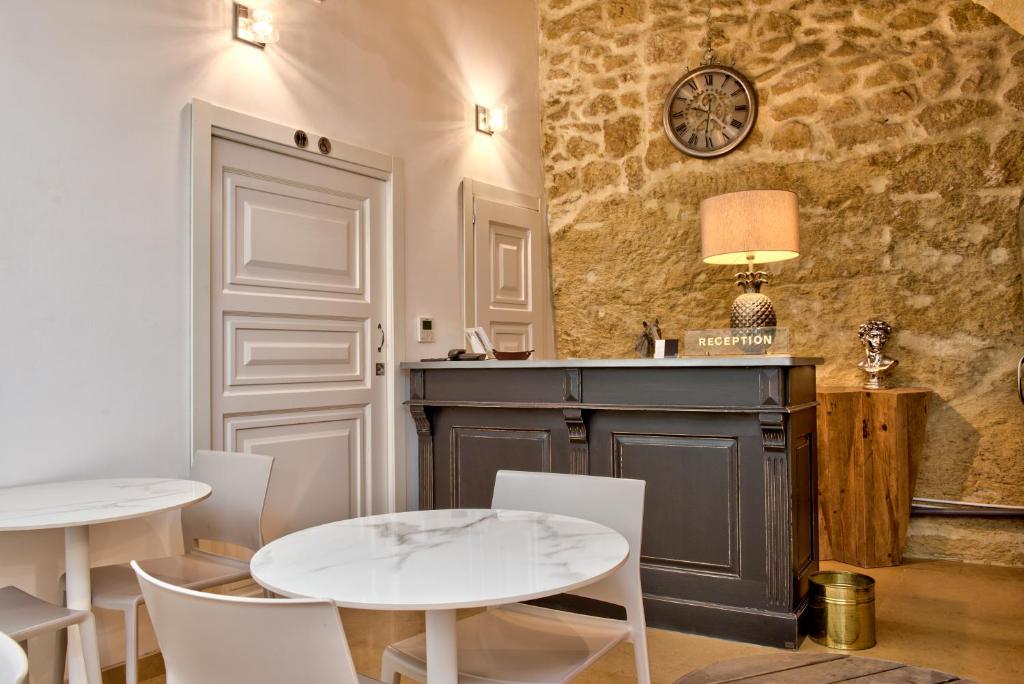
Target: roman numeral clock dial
(710,111)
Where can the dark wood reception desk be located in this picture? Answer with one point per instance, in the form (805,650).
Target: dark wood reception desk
(726,446)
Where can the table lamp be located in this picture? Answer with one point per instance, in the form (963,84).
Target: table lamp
(750,227)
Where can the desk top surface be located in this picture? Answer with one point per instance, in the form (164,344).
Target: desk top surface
(766,360)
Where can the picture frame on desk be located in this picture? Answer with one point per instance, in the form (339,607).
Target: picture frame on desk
(488,345)
(479,342)
(666,349)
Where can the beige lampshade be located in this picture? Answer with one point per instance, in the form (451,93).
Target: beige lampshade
(762,223)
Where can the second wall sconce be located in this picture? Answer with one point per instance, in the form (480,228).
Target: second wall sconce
(254,26)
(491,120)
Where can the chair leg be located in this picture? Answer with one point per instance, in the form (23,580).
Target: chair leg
(643,671)
(60,643)
(131,644)
(389,674)
(60,655)
(24,647)
(638,635)
(90,649)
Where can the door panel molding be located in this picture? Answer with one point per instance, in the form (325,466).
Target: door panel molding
(510,282)
(386,475)
(246,253)
(336,438)
(263,350)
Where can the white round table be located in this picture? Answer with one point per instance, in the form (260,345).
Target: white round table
(437,561)
(75,505)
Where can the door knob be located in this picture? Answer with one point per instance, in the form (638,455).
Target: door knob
(380,329)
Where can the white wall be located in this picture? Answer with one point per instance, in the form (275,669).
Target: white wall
(94,203)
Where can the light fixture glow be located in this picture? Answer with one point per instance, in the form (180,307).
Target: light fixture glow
(491,120)
(255,27)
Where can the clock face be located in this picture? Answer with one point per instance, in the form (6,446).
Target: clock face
(710,111)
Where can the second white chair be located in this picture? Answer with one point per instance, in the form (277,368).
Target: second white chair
(231,514)
(525,644)
(208,638)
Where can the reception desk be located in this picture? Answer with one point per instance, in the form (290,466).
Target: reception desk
(726,446)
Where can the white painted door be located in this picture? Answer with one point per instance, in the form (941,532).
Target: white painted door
(511,289)
(297,295)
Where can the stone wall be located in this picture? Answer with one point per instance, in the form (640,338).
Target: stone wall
(899,123)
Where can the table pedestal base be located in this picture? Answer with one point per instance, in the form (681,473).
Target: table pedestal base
(442,649)
(83,646)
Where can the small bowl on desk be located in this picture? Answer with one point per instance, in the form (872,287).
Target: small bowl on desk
(512,355)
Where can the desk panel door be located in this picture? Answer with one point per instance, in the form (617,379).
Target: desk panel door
(472,445)
(704,516)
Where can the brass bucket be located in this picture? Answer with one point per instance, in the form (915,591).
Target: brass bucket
(841,610)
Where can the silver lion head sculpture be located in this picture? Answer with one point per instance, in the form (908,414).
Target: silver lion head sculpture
(874,334)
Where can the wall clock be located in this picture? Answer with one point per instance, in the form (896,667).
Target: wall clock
(710,111)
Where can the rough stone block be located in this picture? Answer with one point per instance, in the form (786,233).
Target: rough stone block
(621,135)
(899,100)
(801,106)
(599,174)
(602,104)
(968,17)
(910,19)
(578,148)
(860,134)
(943,116)
(1015,96)
(792,136)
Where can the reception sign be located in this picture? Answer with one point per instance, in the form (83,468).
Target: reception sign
(737,341)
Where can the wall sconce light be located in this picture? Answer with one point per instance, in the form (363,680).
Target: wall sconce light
(255,27)
(491,120)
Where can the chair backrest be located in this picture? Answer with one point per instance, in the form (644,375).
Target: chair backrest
(231,640)
(232,513)
(13,662)
(308,487)
(614,502)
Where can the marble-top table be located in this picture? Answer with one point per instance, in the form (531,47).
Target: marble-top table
(74,506)
(438,561)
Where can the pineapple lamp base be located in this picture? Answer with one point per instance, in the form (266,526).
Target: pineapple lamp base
(752,308)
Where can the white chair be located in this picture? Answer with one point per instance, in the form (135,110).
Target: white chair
(231,514)
(231,640)
(23,616)
(13,662)
(525,644)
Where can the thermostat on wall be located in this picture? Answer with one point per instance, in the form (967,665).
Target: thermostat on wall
(425,329)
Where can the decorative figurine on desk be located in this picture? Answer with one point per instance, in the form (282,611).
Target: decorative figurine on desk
(645,343)
(873,335)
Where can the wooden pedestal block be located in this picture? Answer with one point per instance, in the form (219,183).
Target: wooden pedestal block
(869,448)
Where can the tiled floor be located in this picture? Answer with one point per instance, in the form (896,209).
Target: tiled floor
(964,619)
